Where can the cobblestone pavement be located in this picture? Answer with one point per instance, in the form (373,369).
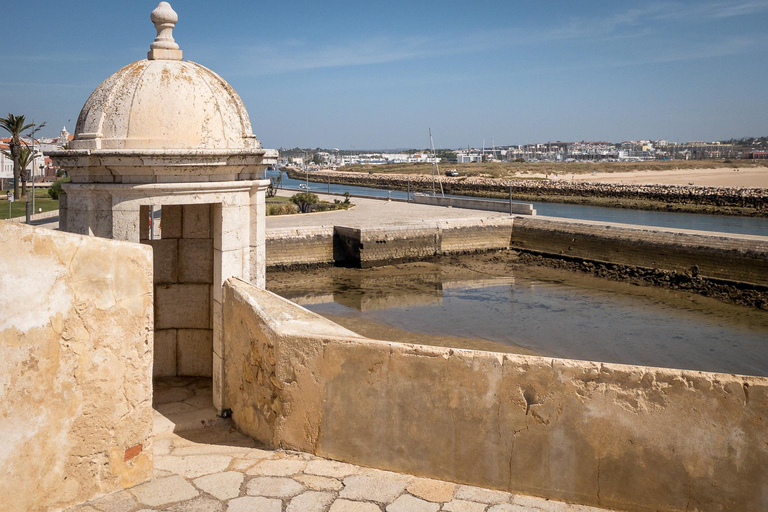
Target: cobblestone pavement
(217,469)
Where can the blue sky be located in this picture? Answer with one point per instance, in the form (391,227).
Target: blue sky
(380,74)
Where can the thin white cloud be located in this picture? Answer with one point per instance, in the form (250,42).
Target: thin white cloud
(653,19)
(731,10)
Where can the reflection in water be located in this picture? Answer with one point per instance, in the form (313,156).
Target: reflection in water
(371,293)
(653,328)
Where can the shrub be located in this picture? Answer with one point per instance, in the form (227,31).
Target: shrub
(55,190)
(305,201)
(281,209)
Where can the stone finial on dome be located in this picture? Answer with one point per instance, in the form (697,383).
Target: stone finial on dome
(164,47)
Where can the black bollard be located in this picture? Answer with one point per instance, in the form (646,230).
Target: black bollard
(29,211)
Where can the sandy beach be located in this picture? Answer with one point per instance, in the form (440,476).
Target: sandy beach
(723,177)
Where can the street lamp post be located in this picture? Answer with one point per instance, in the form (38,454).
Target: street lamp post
(33,156)
(33,177)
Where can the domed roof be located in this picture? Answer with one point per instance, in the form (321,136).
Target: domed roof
(164,103)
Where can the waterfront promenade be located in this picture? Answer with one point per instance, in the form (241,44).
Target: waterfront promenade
(376,213)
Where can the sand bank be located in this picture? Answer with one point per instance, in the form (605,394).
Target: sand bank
(722,177)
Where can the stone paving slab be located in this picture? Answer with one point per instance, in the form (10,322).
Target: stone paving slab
(214,468)
(229,485)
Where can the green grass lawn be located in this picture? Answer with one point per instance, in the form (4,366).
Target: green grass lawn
(19,208)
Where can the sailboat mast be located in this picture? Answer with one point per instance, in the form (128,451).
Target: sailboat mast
(432,149)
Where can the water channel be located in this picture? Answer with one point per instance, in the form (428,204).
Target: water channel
(484,304)
(717,223)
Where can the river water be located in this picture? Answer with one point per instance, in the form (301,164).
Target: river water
(536,311)
(717,223)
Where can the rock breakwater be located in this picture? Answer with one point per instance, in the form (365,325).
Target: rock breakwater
(722,200)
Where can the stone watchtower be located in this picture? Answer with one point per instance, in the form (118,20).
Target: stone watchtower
(171,135)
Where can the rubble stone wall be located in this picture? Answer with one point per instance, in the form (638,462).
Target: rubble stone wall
(76,340)
(626,437)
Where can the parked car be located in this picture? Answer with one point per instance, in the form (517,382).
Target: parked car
(452,172)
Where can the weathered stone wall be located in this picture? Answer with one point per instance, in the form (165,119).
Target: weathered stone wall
(75,367)
(299,246)
(460,236)
(740,258)
(183,273)
(625,437)
(368,247)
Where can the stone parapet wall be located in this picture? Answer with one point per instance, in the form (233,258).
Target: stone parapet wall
(625,437)
(76,342)
(490,205)
(740,258)
(756,198)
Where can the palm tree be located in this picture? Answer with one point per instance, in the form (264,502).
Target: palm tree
(26,157)
(15,126)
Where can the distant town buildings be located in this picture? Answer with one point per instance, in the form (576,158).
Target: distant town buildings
(41,166)
(559,151)
(599,151)
(335,159)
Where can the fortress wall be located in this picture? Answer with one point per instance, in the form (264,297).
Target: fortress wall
(626,437)
(299,246)
(76,339)
(368,247)
(740,258)
(732,257)
(477,235)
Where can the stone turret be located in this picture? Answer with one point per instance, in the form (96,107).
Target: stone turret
(167,135)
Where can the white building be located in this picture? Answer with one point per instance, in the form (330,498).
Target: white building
(6,162)
(468,158)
